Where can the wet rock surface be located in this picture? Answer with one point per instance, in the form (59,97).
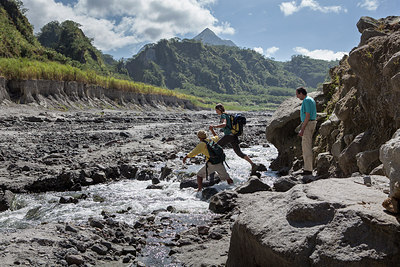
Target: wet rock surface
(57,151)
(48,150)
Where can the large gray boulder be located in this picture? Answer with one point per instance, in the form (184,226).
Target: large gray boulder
(389,154)
(281,130)
(334,222)
(347,158)
(223,202)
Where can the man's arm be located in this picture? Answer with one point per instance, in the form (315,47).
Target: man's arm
(197,150)
(304,124)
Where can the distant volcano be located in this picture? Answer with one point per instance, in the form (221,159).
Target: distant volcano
(209,37)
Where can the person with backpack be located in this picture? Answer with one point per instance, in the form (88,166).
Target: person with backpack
(214,158)
(230,137)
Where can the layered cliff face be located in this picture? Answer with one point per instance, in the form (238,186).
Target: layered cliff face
(364,107)
(60,94)
(361,108)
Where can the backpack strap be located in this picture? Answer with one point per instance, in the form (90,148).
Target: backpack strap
(230,123)
(207,144)
(226,164)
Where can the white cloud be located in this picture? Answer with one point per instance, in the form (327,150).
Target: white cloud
(115,24)
(288,8)
(320,53)
(370,5)
(268,53)
(259,50)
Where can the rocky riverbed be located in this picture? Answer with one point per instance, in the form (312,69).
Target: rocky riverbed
(79,153)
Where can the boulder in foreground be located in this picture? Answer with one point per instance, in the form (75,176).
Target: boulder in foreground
(334,222)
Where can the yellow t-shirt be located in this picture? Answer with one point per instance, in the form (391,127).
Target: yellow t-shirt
(201,148)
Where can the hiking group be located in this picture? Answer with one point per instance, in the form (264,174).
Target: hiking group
(232,126)
(212,148)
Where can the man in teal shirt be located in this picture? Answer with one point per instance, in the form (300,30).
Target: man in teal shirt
(308,116)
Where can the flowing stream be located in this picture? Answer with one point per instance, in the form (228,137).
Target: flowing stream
(132,197)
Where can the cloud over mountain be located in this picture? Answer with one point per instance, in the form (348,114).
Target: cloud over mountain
(117,23)
(320,53)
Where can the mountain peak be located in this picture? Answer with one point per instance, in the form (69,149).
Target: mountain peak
(207,36)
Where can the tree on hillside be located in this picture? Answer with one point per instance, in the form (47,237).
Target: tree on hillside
(312,71)
(49,35)
(20,5)
(69,40)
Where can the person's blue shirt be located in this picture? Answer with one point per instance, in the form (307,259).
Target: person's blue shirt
(308,106)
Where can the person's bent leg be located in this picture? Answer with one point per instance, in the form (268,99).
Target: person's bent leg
(223,174)
(226,139)
(200,175)
(239,152)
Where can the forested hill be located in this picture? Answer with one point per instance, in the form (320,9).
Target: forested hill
(311,71)
(68,39)
(61,42)
(16,35)
(195,67)
(216,73)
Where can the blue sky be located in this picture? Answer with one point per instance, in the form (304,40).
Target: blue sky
(322,29)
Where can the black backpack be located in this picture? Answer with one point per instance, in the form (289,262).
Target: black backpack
(216,152)
(237,123)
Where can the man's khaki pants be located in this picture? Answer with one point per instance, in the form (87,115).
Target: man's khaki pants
(306,145)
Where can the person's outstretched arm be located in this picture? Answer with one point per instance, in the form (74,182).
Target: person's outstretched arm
(222,125)
(212,130)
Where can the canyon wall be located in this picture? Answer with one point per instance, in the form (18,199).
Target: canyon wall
(55,94)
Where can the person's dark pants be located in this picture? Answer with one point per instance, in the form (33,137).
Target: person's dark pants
(234,141)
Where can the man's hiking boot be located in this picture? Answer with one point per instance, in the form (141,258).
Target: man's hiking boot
(254,170)
(306,173)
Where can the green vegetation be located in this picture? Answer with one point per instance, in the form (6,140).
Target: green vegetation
(240,78)
(26,69)
(312,71)
(69,40)
(185,63)
(224,73)
(16,35)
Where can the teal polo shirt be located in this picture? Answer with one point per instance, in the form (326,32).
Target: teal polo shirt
(308,106)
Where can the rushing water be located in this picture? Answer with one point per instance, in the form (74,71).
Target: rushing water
(131,197)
